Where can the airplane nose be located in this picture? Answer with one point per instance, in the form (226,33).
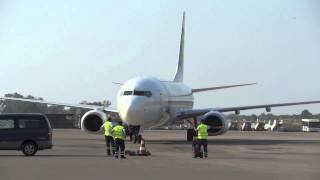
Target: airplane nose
(132,111)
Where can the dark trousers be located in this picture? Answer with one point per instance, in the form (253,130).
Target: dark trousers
(110,142)
(204,143)
(135,138)
(119,145)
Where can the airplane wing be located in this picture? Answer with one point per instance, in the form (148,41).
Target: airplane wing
(220,87)
(198,112)
(102,108)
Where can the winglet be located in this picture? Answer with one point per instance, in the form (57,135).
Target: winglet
(179,72)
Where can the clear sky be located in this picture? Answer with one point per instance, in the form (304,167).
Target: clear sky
(70,51)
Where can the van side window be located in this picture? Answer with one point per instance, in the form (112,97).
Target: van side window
(29,123)
(6,123)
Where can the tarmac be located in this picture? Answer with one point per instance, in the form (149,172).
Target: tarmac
(235,155)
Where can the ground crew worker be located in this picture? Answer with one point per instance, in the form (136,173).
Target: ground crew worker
(119,135)
(108,136)
(202,130)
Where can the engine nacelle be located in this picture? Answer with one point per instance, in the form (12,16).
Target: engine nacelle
(92,121)
(217,122)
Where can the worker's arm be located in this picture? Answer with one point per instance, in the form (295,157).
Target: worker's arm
(102,127)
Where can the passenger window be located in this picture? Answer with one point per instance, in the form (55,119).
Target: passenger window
(6,123)
(29,123)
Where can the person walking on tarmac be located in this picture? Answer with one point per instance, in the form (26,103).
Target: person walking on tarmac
(202,130)
(108,136)
(119,135)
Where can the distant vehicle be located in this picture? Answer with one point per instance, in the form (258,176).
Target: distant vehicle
(289,126)
(310,125)
(26,132)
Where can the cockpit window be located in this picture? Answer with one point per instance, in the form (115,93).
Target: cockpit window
(127,93)
(137,93)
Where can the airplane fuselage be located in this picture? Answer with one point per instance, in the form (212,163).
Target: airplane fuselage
(150,102)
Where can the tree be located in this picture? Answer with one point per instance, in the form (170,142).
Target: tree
(306,114)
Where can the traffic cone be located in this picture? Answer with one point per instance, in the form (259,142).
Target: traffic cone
(142,150)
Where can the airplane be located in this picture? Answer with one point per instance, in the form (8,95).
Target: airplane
(150,102)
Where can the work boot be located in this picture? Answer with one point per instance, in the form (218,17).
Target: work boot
(123,157)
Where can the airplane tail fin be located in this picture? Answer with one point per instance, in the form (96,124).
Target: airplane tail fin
(179,72)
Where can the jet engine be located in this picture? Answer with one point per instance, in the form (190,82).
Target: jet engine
(217,123)
(92,120)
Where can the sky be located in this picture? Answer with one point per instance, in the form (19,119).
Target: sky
(70,51)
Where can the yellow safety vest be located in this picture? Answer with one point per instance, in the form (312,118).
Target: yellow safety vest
(107,128)
(202,131)
(119,132)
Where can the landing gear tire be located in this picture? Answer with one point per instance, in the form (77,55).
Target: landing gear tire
(190,134)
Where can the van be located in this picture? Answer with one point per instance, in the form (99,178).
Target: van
(25,132)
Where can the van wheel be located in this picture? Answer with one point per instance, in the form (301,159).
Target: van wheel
(29,148)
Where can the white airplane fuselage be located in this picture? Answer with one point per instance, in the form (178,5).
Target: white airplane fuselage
(149,102)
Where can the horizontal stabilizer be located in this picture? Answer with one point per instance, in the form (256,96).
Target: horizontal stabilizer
(220,87)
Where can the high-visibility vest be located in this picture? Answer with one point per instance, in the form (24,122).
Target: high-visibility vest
(107,128)
(202,131)
(118,132)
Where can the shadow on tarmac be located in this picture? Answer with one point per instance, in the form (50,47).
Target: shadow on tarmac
(235,142)
(59,155)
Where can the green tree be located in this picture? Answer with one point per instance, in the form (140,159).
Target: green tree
(306,114)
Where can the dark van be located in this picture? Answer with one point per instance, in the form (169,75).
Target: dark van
(26,132)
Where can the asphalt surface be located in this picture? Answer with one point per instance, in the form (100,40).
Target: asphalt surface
(235,155)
